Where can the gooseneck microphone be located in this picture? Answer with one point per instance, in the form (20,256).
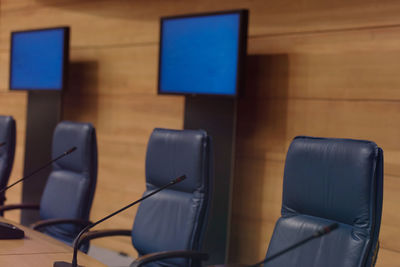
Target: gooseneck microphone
(84,230)
(323,231)
(69,151)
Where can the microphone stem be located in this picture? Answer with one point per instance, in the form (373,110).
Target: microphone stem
(38,170)
(273,256)
(76,241)
(319,233)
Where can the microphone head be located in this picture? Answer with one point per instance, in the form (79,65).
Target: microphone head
(72,149)
(327,229)
(179,179)
(331,227)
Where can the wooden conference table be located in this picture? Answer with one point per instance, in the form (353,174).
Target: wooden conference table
(38,250)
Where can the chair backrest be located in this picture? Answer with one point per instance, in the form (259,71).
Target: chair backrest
(70,187)
(175,218)
(7,150)
(330,180)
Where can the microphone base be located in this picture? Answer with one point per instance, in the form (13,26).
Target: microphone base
(9,231)
(64,264)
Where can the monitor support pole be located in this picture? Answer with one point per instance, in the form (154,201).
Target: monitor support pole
(43,113)
(217,115)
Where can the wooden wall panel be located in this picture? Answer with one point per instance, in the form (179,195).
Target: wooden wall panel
(127,22)
(388,258)
(4,72)
(390,231)
(317,68)
(114,71)
(17,5)
(338,65)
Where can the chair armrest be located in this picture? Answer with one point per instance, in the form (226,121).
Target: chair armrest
(19,206)
(103,233)
(2,197)
(194,255)
(228,265)
(49,222)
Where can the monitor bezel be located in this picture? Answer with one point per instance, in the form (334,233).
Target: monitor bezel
(242,51)
(66,31)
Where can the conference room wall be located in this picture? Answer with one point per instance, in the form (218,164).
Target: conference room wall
(320,68)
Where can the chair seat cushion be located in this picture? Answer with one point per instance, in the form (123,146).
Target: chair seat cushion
(169,224)
(324,251)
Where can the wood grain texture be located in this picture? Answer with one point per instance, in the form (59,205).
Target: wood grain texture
(4,71)
(357,64)
(127,22)
(285,119)
(37,249)
(319,68)
(388,258)
(45,259)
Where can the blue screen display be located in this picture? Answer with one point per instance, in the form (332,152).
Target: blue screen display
(37,60)
(199,55)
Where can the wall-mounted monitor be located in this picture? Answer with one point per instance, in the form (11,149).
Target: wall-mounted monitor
(202,54)
(39,59)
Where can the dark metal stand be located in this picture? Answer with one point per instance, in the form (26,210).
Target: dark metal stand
(216,115)
(43,113)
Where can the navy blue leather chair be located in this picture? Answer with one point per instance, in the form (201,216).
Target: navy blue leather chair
(7,151)
(170,226)
(325,181)
(67,197)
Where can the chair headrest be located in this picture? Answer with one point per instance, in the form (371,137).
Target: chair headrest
(172,153)
(7,151)
(83,137)
(331,178)
(7,135)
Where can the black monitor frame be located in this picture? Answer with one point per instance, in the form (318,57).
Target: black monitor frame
(65,58)
(242,51)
